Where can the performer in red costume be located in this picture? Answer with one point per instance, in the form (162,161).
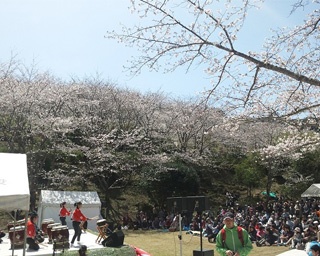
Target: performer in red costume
(32,232)
(77,218)
(64,213)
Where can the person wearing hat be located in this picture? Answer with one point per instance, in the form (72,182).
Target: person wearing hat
(231,239)
(296,239)
(315,250)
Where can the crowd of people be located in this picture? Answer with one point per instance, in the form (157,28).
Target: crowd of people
(280,222)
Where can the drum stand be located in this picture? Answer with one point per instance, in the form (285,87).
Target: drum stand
(63,245)
(54,247)
(101,235)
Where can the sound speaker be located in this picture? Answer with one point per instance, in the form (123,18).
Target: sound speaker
(114,240)
(204,252)
(188,203)
(197,203)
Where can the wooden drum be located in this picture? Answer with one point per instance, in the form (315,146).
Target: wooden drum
(102,222)
(16,236)
(17,223)
(49,231)
(60,237)
(45,224)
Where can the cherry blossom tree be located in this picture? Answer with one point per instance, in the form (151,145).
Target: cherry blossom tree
(278,156)
(189,123)
(21,91)
(88,134)
(272,145)
(280,80)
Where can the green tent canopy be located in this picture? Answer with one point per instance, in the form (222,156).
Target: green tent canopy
(271,194)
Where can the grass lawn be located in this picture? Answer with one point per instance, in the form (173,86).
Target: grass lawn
(160,243)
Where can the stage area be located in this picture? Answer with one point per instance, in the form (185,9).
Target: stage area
(87,239)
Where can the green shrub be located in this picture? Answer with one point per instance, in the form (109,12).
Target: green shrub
(107,251)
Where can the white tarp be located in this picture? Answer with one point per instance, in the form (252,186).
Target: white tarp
(312,191)
(14,183)
(49,205)
(293,252)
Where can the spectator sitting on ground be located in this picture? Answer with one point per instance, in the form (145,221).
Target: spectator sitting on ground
(296,239)
(270,238)
(155,223)
(257,226)
(285,234)
(261,234)
(209,229)
(289,222)
(162,223)
(127,222)
(252,233)
(274,235)
(144,224)
(309,232)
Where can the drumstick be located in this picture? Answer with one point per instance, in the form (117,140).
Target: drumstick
(94,218)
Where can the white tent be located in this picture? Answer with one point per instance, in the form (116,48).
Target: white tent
(14,184)
(312,191)
(49,205)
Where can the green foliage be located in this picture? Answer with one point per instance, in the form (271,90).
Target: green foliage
(248,173)
(86,137)
(309,165)
(108,251)
(172,179)
(294,191)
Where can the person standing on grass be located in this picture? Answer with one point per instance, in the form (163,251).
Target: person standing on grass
(228,242)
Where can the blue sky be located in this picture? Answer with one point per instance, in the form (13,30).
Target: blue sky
(67,38)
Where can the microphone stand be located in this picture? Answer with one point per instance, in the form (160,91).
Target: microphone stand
(200,223)
(180,234)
